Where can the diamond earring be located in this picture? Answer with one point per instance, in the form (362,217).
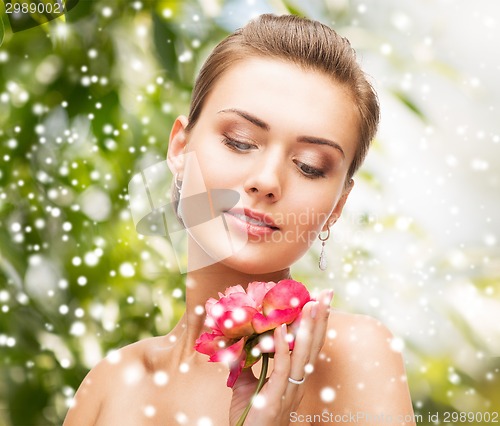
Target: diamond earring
(323,263)
(177,182)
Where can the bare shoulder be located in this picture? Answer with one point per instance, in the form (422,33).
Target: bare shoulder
(353,332)
(105,380)
(361,362)
(359,345)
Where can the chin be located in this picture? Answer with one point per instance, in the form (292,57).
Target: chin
(253,269)
(251,264)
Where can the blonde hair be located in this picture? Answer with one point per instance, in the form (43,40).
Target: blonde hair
(304,42)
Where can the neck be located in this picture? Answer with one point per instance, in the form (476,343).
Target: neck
(203,283)
(207,282)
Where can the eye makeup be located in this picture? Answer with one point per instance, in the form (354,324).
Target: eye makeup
(312,157)
(314,164)
(237,145)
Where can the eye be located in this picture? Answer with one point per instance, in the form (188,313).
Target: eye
(309,171)
(237,145)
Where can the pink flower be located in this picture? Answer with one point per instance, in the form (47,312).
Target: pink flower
(240,319)
(282,304)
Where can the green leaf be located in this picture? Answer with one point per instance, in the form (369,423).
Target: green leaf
(84,9)
(410,104)
(165,39)
(371,179)
(292,9)
(2,32)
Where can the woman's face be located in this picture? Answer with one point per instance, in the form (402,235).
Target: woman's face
(282,139)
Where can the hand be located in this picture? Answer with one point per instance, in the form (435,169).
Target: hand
(279,397)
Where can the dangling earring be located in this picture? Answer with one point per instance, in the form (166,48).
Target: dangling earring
(176,182)
(322,259)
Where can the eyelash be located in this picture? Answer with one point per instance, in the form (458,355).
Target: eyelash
(305,170)
(233,144)
(309,171)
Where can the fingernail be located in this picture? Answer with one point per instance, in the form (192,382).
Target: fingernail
(328,299)
(283,330)
(314,309)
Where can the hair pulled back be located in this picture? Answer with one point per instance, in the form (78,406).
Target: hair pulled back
(306,43)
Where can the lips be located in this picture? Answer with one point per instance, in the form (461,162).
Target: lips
(255,225)
(253,218)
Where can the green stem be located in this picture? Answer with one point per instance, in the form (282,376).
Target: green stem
(262,378)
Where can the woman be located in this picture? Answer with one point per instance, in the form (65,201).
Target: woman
(282,116)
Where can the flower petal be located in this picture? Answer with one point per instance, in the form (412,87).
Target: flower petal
(210,343)
(209,319)
(262,323)
(234,289)
(216,311)
(257,290)
(210,303)
(237,323)
(235,369)
(229,354)
(235,300)
(284,295)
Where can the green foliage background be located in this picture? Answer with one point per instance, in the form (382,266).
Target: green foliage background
(87,101)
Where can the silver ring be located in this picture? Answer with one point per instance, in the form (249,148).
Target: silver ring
(296,382)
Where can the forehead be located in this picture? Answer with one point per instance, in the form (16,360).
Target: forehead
(287,97)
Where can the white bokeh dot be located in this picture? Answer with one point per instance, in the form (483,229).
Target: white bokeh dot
(181,418)
(327,394)
(91,259)
(259,401)
(113,356)
(397,344)
(331,334)
(309,368)
(126,270)
(160,378)
(204,421)
(267,343)
(149,411)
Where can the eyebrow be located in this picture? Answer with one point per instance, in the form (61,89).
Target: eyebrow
(263,125)
(321,141)
(249,117)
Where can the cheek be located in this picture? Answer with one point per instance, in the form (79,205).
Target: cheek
(303,227)
(310,210)
(217,167)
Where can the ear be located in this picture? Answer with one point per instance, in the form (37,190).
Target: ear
(337,211)
(177,143)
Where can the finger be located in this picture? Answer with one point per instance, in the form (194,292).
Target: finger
(319,332)
(300,354)
(278,380)
(302,348)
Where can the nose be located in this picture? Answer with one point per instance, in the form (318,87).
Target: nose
(264,179)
